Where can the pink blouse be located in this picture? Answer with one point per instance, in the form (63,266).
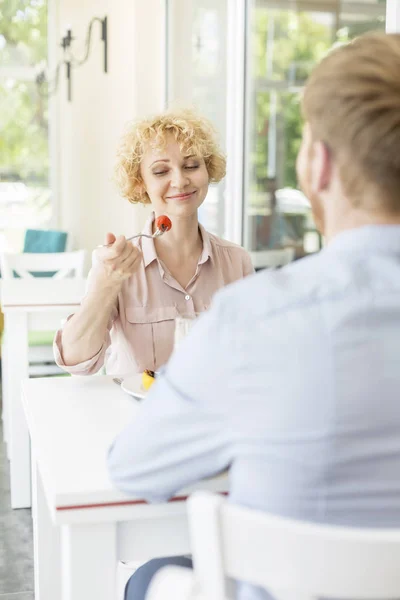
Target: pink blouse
(141,329)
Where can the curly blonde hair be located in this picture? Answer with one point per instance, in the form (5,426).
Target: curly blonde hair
(194,134)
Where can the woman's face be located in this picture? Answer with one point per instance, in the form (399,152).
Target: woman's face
(176,183)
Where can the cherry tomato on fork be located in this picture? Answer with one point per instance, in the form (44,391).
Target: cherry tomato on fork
(163,223)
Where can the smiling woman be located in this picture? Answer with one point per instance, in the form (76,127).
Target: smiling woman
(194,136)
(137,290)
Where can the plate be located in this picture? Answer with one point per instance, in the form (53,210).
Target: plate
(133,385)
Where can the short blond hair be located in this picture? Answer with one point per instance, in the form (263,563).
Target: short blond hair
(352,104)
(194,134)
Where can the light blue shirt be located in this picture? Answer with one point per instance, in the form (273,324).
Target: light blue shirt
(292,380)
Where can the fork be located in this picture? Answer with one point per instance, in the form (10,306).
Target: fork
(156,234)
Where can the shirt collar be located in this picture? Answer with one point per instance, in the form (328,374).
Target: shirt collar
(375,238)
(207,251)
(149,250)
(148,247)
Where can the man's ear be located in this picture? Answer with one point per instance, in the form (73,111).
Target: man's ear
(321,167)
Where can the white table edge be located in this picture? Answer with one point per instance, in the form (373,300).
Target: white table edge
(64,506)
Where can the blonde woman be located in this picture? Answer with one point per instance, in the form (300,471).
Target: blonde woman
(136,290)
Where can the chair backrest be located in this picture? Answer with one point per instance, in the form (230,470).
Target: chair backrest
(271,259)
(45,240)
(59,264)
(289,558)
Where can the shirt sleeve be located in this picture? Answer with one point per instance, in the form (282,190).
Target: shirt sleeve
(248,268)
(87,367)
(180,434)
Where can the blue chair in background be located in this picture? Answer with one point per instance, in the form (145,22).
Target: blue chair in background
(41,241)
(38,241)
(45,240)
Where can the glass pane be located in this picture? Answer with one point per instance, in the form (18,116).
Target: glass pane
(197,77)
(23,32)
(284,45)
(25,199)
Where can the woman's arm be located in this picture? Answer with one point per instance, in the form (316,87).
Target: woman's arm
(83,335)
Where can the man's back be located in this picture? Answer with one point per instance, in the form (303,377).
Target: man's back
(292,382)
(315,379)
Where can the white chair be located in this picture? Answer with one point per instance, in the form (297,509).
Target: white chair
(59,265)
(272,259)
(290,559)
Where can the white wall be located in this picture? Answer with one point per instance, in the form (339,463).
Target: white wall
(91,125)
(392,16)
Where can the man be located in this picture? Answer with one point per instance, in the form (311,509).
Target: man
(292,380)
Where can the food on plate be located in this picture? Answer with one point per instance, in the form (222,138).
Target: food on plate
(148,378)
(163,223)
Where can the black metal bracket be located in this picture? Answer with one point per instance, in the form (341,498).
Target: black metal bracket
(66,40)
(69,79)
(104,37)
(70,61)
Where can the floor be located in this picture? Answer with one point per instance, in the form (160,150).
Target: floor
(16,551)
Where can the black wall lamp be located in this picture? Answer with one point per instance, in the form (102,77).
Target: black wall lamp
(71,62)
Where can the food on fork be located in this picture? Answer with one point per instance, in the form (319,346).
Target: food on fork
(163,223)
(148,378)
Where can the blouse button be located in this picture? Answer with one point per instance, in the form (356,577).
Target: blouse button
(187,297)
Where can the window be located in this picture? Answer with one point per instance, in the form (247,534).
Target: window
(243,63)
(285,41)
(25,197)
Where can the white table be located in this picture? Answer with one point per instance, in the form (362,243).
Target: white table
(28,304)
(82,524)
